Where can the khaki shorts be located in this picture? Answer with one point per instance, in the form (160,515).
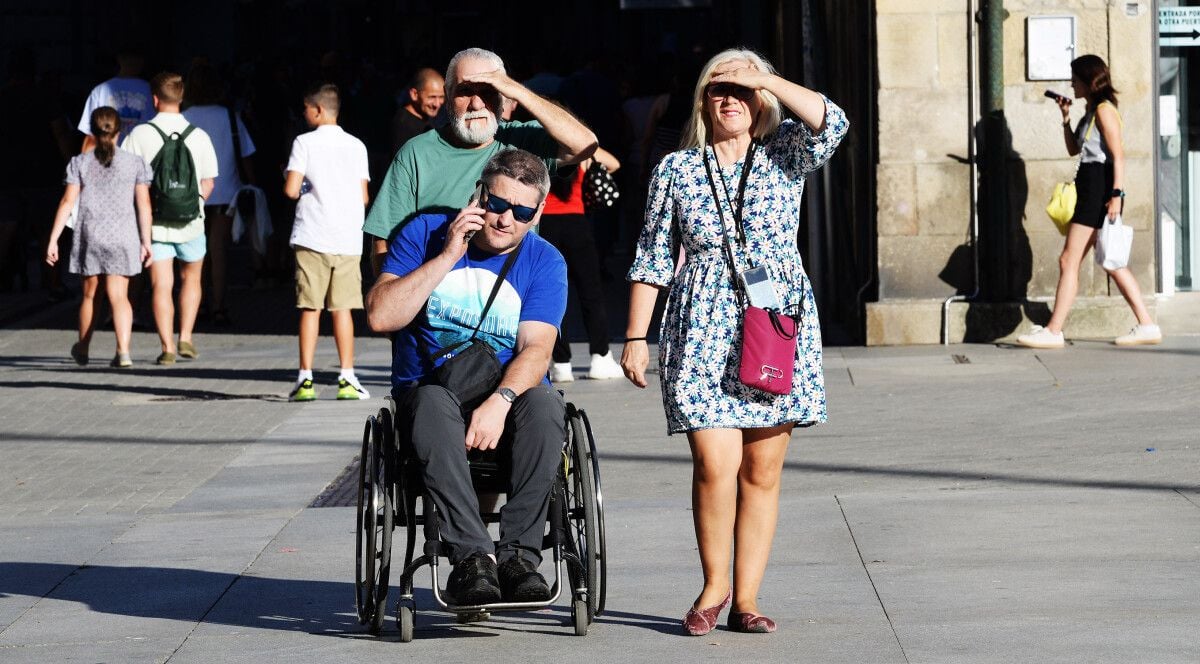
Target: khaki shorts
(327,281)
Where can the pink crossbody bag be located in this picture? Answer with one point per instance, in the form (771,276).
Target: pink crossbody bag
(768,336)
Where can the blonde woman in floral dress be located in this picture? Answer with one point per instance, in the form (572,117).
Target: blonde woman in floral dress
(738,435)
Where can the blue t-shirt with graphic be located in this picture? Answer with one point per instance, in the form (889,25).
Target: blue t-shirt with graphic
(535,289)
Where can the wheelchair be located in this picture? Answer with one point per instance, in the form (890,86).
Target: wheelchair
(391,492)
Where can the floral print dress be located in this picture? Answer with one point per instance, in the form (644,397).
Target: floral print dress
(699,347)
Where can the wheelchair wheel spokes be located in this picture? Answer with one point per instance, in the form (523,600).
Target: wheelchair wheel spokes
(382,510)
(364,544)
(585,520)
(602,546)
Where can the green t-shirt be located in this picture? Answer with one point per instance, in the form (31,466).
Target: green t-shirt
(429,175)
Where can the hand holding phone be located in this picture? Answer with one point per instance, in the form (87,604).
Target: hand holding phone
(476,201)
(1058,97)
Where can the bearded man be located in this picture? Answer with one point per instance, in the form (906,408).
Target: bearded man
(436,172)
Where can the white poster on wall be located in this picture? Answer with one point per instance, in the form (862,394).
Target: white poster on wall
(1049,47)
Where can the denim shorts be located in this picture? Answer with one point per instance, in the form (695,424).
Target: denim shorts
(189,252)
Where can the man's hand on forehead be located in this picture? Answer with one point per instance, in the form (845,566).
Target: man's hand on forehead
(495,79)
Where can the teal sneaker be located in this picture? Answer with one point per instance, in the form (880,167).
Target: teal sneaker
(350,389)
(305,391)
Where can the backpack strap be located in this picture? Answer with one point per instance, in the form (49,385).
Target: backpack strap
(161,133)
(166,138)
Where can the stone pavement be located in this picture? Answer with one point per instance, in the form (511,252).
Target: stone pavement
(970,503)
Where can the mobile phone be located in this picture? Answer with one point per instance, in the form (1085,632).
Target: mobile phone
(759,288)
(1057,97)
(477,199)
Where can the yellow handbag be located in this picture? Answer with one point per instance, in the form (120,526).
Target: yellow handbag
(1061,207)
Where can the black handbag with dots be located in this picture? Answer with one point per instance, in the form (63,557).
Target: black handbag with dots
(599,188)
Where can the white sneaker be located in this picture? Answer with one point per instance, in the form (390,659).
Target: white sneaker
(1040,337)
(604,367)
(560,372)
(1140,335)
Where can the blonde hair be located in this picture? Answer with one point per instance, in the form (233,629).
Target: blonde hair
(698,129)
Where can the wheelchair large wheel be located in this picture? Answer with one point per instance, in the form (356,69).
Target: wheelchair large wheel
(373,544)
(586,513)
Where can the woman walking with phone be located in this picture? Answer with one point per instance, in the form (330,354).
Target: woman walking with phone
(1101,196)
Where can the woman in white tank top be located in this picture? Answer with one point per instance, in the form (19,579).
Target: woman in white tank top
(1100,186)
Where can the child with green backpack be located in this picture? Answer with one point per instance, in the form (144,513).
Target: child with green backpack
(184,163)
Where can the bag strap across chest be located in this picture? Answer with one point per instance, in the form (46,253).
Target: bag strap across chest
(508,263)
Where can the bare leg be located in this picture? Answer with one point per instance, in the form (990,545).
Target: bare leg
(310,327)
(117,287)
(162,281)
(189,298)
(716,456)
(1129,288)
(343,336)
(1080,239)
(87,311)
(757,511)
(218,230)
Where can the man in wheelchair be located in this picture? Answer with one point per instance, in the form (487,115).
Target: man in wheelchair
(451,280)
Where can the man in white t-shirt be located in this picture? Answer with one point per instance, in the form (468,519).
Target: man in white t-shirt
(327,176)
(126,92)
(172,239)
(222,124)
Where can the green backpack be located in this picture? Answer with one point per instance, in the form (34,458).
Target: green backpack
(174,192)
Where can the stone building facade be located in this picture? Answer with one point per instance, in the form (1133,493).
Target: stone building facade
(925,181)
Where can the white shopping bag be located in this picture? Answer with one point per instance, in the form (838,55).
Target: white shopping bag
(1113,244)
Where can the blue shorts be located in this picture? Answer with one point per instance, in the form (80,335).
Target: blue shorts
(189,252)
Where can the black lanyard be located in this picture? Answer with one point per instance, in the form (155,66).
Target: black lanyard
(737,205)
(737,212)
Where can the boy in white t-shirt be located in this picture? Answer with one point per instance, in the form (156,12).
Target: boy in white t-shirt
(327,176)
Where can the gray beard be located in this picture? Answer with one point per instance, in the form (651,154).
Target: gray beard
(479,136)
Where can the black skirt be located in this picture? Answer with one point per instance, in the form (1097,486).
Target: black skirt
(1093,185)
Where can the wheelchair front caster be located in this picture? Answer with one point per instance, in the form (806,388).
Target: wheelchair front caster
(404,618)
(579,615)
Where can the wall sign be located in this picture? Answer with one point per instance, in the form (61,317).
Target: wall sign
(1179,26)
(1049,47)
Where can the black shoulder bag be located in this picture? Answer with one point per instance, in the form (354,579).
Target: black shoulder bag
(471,369)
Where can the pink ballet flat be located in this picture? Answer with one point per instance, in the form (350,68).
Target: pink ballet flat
(750,622)
(702,621)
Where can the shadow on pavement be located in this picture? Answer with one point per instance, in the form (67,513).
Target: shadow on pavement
(923,473)
(160,393)
(292,605)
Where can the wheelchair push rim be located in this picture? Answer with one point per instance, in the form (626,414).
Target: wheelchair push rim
(374,523)
(585,514)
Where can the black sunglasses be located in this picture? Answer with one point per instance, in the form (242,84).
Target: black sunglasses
(722,90)
(481,90)
(522,213)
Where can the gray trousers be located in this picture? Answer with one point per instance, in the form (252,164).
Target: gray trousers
(532,448)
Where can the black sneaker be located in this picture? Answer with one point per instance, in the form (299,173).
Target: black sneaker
(520,581)
(473,581)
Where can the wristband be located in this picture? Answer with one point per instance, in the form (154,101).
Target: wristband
(628,339)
